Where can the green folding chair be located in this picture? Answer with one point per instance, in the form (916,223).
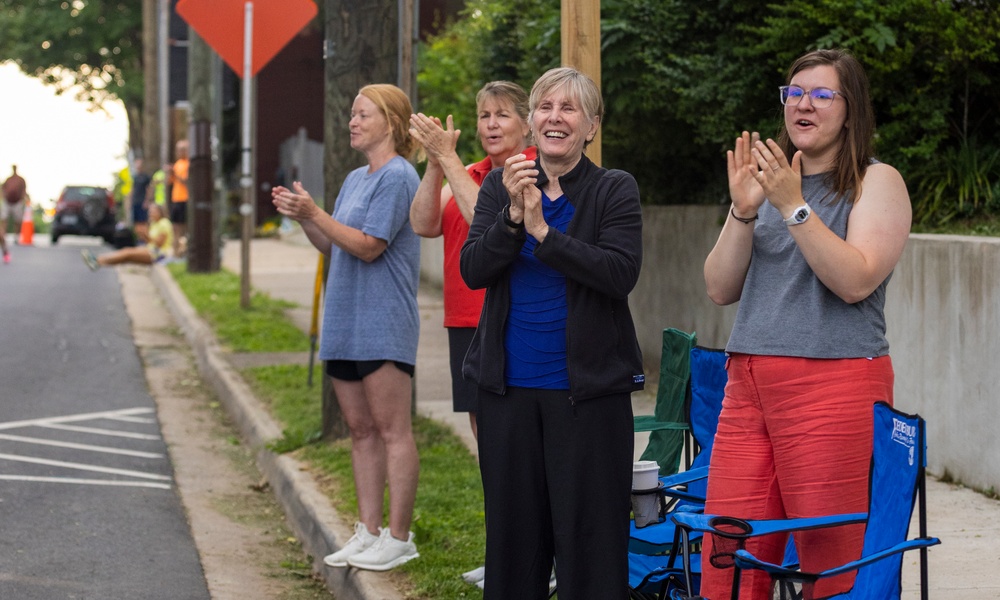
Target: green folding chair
(668,423)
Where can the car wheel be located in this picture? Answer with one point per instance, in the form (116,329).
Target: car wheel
(55,236)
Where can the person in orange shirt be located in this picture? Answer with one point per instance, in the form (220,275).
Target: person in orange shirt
(177,174)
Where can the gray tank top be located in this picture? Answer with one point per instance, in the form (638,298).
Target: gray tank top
(786,311)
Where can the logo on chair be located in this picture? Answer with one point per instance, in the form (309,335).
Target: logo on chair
(905,434)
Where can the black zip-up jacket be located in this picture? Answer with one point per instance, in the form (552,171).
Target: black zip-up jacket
(600,254)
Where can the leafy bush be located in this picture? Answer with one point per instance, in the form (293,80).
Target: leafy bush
(959,182)
(681,79)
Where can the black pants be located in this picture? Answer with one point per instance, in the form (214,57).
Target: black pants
(557,479)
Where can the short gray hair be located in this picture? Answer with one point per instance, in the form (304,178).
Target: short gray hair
(578,85)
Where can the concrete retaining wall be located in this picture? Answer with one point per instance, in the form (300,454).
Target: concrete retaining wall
(943,318)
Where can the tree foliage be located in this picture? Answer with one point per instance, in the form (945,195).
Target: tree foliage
(513,40)
(682,78)
(93,46)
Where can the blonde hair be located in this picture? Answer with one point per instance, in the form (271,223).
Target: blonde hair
(395,106)
(159,209)
(506,91)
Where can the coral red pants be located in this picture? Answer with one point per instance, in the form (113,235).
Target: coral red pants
(794,440)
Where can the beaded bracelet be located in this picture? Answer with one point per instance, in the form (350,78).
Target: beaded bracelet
(741,219)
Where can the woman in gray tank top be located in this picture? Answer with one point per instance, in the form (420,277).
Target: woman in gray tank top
(815,229)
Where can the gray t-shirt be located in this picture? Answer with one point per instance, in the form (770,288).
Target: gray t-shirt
(371,308)
(786,311)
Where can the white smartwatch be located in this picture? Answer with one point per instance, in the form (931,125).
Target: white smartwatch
(799,216)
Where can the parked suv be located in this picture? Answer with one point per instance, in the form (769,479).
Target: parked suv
(84,210)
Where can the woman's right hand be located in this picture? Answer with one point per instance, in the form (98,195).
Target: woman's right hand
(519,178)
(745,191)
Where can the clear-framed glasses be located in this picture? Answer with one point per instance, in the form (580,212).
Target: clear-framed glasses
(819,97)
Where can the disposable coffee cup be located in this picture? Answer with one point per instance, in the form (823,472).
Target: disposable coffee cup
(645,474)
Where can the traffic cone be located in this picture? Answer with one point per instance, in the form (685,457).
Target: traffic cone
(27,225)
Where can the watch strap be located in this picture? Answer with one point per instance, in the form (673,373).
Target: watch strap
(799,216)
(505,213)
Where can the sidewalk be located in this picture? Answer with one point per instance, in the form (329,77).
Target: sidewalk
(966,564)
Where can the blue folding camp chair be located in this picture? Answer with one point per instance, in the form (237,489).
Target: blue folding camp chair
(653,564)
(896,483)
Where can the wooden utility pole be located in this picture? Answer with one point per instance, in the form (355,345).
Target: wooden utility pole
(362,44)
(203,251)
(151,88)
(581,48)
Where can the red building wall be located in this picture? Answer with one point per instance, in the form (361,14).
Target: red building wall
(289,96)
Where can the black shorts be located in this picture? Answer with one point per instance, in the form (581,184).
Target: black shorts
(464,392)
(356,370)
(178,212)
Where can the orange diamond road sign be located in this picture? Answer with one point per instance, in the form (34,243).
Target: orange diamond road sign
(220,24)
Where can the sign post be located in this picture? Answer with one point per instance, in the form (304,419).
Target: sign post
(246,163)
(246,50)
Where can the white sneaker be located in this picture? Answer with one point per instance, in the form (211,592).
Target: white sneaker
(474,576)
(386,553)
(360,541)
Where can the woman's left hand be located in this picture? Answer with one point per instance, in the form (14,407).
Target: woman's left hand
(297,205)
(437,141)
(781,181)
(534,218)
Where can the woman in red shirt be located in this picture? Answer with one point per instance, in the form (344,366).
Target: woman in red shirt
(502,127)
(503,131)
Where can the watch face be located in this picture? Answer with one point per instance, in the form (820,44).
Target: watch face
(801,215)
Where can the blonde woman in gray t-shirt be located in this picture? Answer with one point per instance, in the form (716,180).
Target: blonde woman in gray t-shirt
(370,320)
(815,229)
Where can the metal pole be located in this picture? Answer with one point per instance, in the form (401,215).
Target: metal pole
(246,179)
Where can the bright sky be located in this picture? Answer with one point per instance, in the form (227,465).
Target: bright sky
(54,140)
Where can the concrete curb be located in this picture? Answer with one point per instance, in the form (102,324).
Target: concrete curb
(307,509)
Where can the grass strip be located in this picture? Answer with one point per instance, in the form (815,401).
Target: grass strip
(448,515)
(263,327)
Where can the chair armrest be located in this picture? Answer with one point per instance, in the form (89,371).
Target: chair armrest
(684,477)
(702,523)
(670,483)
(745,560)
(649,423)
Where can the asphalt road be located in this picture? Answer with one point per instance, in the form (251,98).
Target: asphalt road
(88,503)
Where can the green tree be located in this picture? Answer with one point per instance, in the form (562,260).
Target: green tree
(678,93)
(93,45)
(682,78)
(514,40)
(933,68)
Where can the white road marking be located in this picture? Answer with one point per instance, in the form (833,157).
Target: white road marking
(105,482)
(82,467)
(143,420)
(88,447)
(96,431)
(79,417)
(140,416)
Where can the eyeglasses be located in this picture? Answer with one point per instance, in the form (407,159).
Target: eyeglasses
(820,97)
